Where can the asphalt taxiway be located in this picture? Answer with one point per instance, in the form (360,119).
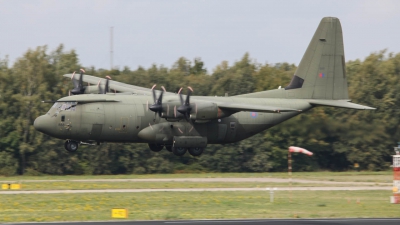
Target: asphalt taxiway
(239,222)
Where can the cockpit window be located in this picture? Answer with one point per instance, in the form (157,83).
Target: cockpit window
(64,106)
(70,106)
(55,106)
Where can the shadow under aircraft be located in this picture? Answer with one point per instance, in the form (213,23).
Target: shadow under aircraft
(181,123)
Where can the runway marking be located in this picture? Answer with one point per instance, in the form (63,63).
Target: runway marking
(353,188)
(261,180)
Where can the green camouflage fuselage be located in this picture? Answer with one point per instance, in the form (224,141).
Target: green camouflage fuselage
(123,120)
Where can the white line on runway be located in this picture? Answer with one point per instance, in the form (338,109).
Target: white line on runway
(353,188)
(225,179)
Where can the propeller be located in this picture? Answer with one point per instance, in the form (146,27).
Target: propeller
(185,107)
(157,106)
(106,87)
(78,84)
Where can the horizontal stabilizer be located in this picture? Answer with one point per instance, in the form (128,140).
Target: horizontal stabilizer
(254,108)
(338,103)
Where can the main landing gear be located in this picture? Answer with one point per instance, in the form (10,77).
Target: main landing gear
(178,151)
(71,145)
(156,147)
(196,151)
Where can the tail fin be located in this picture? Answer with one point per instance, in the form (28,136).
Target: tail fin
(321,73)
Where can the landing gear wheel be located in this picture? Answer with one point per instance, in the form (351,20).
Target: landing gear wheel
(66,145)
(71,146)
(155,147)
(179,151)
(169,148)
(196,151)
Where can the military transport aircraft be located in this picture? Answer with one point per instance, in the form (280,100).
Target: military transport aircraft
(182,123)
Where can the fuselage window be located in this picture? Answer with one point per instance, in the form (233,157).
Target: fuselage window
(62,118)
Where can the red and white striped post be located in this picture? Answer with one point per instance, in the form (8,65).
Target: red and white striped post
(294,149)
(396,177)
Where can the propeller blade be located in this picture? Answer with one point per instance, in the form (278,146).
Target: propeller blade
(180,95)
(190,90)
(154,93)
(185,108)
(159,100)
(78,84)
(81,77)
(157,106)
(106,87)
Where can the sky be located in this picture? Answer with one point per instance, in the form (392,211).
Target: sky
(159,32)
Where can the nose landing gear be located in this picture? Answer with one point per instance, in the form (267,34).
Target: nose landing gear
(71,145)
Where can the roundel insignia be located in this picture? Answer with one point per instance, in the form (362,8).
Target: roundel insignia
(253,114)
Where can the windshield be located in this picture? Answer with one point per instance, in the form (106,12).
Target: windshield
(62,106)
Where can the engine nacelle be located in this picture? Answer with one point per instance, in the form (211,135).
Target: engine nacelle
(201,111)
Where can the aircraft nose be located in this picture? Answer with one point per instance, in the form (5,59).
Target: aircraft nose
(41,124)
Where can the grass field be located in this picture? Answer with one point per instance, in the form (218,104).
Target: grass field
(197,205)
(378,177)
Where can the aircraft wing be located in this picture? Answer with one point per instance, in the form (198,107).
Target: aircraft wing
(82,101)
(254,108)
(114,85)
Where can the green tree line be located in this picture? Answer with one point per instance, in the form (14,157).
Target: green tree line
(338,137)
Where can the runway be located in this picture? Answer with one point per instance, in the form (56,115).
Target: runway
(238,222)
(238,180)
(350,188)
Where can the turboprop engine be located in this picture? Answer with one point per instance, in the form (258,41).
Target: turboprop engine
(200,111)
(80,89)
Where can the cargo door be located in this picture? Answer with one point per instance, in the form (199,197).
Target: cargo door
(92,121)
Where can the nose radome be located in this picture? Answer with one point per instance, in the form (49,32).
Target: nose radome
(41,124)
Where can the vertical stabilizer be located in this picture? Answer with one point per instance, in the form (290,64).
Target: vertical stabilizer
(321,73)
